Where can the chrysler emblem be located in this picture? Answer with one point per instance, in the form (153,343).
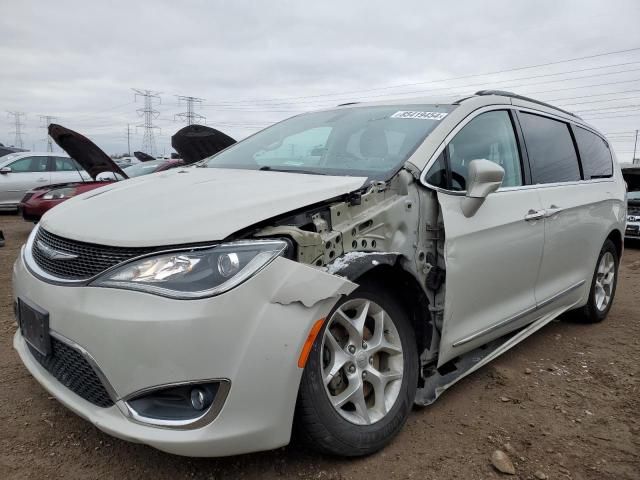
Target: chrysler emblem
(52,253)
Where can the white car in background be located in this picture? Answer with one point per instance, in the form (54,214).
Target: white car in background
(23,171)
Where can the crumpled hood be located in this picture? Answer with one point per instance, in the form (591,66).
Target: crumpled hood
(188,205)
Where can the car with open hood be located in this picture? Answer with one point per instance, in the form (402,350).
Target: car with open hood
(324,274)
(22,171)
(97,165)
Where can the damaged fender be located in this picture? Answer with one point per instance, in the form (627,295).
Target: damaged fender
(308,285)
(352,265)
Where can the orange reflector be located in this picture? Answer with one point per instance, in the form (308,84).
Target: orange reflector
(306,348)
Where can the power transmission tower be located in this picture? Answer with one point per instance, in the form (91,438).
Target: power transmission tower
(128,139)
(190,115)
(149,114)
(17,128)
(46,120)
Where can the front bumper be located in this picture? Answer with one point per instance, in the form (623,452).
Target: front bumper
(251,335)
(632,230)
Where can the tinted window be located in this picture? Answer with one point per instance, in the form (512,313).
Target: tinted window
(594,154)
(489,136)
(30,164)
(550,147)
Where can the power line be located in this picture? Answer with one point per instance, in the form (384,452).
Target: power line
(607,109)
(618,99)
(17,125)
(47,120)
(447,91)
(149,114)
(496,72)
(190,115)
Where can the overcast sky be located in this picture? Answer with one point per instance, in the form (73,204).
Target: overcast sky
(255,63)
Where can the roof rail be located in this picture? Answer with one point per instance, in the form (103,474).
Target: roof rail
(522,97)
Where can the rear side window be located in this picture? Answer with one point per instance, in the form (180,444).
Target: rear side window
(63,164)
(594,154)
(550,147)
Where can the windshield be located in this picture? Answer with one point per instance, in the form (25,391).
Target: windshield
(143,168)
(371,141)
(633,195)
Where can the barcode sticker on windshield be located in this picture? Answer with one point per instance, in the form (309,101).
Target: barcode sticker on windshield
(419,115)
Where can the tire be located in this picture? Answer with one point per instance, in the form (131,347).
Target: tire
(343,430)
(595,311)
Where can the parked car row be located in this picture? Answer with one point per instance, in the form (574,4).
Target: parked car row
(57,178)
(323,275)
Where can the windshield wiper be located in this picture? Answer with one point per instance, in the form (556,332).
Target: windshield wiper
(266,168)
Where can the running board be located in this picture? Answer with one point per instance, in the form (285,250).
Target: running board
(437,383)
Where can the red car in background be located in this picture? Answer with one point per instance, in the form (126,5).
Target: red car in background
(194,143)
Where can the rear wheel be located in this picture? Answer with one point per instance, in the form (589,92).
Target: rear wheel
(603,286)
(360,381)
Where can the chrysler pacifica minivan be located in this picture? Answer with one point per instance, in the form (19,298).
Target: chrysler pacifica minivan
(322,275)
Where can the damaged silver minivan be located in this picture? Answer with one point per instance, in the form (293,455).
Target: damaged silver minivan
(322,275)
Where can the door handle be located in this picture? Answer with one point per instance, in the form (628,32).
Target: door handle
(553,210)
(41,180)
(534,215)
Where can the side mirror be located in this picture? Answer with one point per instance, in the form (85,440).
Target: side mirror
(484,177)
(5,170)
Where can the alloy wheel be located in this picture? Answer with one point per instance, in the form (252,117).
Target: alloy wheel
(362,361)
(605,280)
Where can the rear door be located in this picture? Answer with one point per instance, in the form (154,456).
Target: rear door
(66,170)
(492,258)
(26,173)
(577,199)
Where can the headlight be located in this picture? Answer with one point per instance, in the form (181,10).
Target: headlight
(194,273)
(58,193)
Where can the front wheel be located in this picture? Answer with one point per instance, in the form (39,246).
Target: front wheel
(603,286)
(359,383)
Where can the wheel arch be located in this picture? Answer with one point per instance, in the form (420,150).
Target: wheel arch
(616,237)
(405,287)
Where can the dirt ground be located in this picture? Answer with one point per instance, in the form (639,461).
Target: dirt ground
(564,404)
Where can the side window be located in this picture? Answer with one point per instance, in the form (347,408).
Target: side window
(437,174)
(489,136)
(594,154)
(30,164)
(550,147)
(63,164)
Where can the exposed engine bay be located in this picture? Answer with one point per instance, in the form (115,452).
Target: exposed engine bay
(373,231)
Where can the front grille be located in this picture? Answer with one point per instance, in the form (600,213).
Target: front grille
(71,369)
(91,259)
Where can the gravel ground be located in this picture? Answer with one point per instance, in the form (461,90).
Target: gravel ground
(564,404)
